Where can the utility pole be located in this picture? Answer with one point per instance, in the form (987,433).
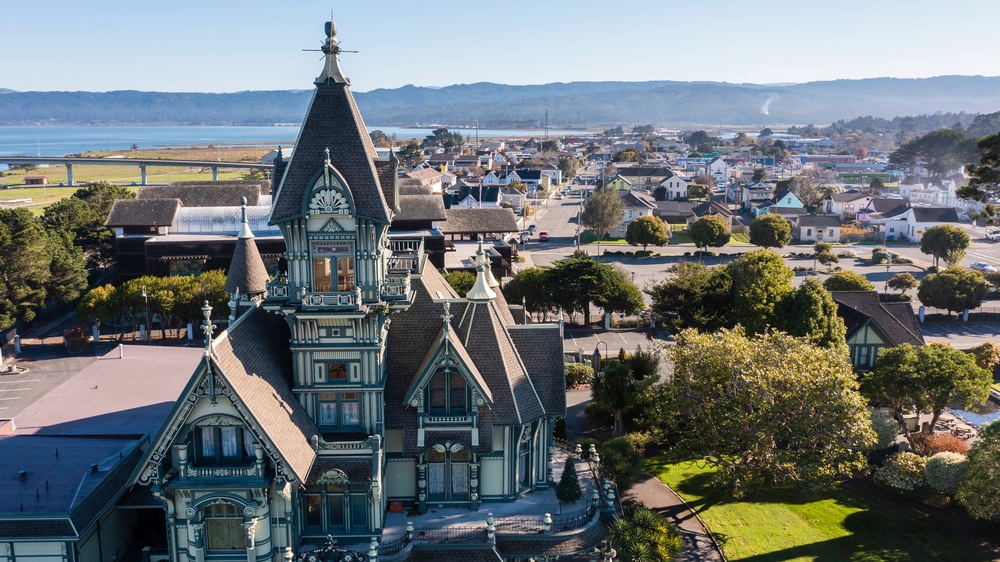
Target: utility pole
(546,124)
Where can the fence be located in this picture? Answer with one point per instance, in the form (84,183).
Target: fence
(7,347)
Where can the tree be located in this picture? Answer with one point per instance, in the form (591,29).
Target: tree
(627,155)
(926,378)
(379,139)
(979,490)
(83,215)
(619,294)
(568,166)
(445,138)
(987,355)
(647,230)
(615,389)
(811,193)
(902,282)
(876,184)
(710,230)
(410,155)
(848,281)
(770,410)
(700,141)
(603,211)
(581,282)
(68,275)
(954,289)
(940,152)
(533,287)
(697,191)
(759,280)
(984,180)
(24,267)
(568,490)
(810,312)
(760,174)
(694,296)
(621,462)
(461,281)
(770,231)
(943,239)
(643,535)
(549,146)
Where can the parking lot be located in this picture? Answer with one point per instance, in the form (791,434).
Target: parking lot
(961,335)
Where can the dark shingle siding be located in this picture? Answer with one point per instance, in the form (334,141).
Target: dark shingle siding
(333,122)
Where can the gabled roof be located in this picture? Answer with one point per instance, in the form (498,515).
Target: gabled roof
(447,350)
(935,214)
(895,321)
(633,199)
(848,196)
(645,171)
(819,221)
(143,212)
(254,359)
(888,207)
(711,208)
(333,121)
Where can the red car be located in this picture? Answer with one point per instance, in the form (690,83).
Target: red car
(543,236)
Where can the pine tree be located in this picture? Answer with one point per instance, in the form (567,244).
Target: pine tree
(568,490)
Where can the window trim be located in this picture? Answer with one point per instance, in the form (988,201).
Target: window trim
(448,409)
(338,398)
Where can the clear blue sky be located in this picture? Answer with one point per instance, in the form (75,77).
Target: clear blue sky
(229,45)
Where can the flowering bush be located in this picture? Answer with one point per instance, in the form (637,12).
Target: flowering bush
(903,471)
(886,429)
(944,471)
(928,444)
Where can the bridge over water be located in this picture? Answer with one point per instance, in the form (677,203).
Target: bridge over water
(142,163)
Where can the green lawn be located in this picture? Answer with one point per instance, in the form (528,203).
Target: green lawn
(841,524)
(739,238)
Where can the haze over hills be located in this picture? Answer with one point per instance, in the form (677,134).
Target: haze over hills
(573,104)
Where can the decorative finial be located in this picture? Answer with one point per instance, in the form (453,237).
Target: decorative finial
(446,317)
(331,49)
(245,231)
(207,327)
(326,151)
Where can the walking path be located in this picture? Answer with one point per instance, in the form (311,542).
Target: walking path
(657,496)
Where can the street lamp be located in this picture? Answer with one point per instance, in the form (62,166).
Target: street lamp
(633,277)
(145,299)
(888,262)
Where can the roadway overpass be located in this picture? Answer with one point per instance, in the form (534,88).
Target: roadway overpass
(142,163)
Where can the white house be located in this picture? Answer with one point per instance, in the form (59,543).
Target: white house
(813,228)
(910,223)
(846,204)
(676,186)
(636,205)
(938,192)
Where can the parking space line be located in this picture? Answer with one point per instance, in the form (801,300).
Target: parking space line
(975,331)
(20,381)
(12,389)
(14,398)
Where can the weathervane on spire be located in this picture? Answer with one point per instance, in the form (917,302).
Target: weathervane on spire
(331,50)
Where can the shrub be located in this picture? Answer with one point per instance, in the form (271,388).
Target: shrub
(880,255)
(578,374)
(944,471)
(927,444)
(643,534)
(903,472)
(568,490)
(886,429)
(641,440)
(621,461)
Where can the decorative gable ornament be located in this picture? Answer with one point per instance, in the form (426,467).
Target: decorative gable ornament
(331,226)
(328,202)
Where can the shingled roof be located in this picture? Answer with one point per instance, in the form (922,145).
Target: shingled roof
(143,212)
(255,361)
(895,321)
(333,122)
(541,349)
(428,207)
(466,221)
(204,194)
(246,272)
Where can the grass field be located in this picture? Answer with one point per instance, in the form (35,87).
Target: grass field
(841,524)
(739,238)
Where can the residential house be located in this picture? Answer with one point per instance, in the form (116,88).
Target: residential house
(442,161)
(712,208)
(939,192)
(674,212)
(910,223)
(644,178)
(873,325)
(718,169)
(846,204)
(676,186)
(878,207)
(754,193)
(783,203)
(817,228)
(430,177)
(620,183)
(636,205)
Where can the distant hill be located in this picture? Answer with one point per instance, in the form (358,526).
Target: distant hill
(499,105)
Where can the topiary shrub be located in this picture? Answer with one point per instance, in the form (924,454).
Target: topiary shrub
(568,490)
(902,472)
(944,472)
(927,444)
(886,429)
(578,374)
(880,255)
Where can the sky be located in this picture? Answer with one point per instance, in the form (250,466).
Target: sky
(230,45)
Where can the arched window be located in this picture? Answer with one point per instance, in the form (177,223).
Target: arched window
(447,394)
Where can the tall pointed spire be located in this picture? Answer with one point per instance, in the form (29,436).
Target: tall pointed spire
(481,290)
(245,231)
(331,65)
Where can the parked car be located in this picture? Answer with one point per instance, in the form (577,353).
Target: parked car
(984,267)
(517,210)
(544,235)
(531,228)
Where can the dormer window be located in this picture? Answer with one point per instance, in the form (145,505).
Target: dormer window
(448,394)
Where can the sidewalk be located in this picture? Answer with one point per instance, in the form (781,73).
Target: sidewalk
(698,544)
